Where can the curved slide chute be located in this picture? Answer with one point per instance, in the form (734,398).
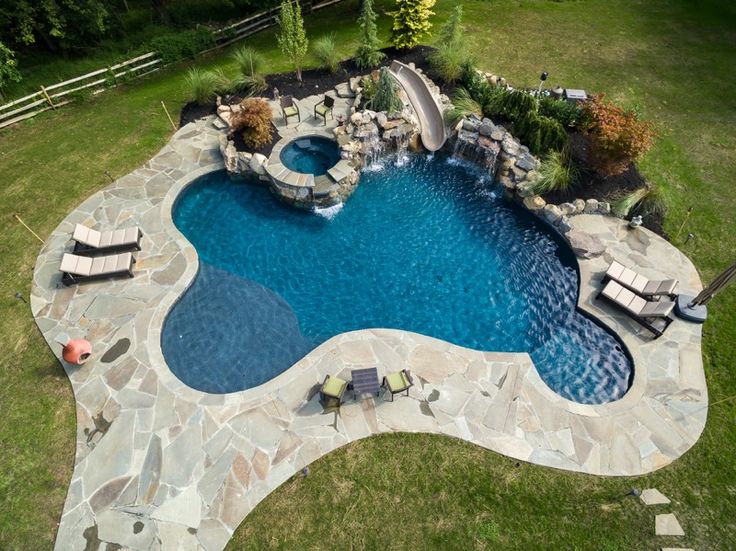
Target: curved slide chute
(427,109)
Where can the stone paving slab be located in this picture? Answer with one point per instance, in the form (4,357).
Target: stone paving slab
(159,465)
(667,525)
(652,496)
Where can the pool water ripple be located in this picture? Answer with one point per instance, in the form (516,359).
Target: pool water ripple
(430,247)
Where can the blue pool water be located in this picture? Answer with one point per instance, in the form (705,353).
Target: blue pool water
(428,247)
(310,155)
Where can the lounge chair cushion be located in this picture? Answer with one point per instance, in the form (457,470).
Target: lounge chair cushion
(635,304)
(112,238)
(85,266)
(76,265)
(290,111)
(322,109)
(334,386)
(86,236)
(397,381)
(638,282)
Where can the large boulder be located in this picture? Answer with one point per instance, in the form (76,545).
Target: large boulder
(258,164)
(552,214)
(231,158)
(567,209)
(585,245)
(591,206)
(534,203)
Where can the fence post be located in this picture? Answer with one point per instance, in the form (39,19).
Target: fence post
(48,98)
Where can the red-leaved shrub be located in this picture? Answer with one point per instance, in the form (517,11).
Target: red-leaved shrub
(617,136)
(254,121)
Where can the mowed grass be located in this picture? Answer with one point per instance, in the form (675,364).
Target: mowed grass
(673,60)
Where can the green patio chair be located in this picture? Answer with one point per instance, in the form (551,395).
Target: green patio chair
(398,382)
(324,107)
(333,387)
(289,108)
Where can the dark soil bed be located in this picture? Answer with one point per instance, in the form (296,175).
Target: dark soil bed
(314,81)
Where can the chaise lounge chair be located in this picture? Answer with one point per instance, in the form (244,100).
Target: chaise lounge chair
(638,283)
(638,308)
(78,269)
(398,382)
(333,387)
(89,241)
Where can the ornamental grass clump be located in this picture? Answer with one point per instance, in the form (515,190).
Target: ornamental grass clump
(249,80)
(202,86)
(253,121)
(463,105)
(325,52)
(368,54)
(556,173)
(617,136)
(386,97)
(647,200)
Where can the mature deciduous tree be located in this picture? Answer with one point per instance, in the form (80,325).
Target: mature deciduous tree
(8,68)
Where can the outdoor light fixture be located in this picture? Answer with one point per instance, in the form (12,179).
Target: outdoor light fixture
(542,78)
(19,296)
(107,173)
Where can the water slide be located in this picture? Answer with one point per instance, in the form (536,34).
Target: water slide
(431,122)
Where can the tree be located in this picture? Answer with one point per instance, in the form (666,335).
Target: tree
(451,33)
(59,24)
(451,54)
(368,55)
(8,68)
(411,22)
(292,38)
(617,136)
(254,122)
(385,97)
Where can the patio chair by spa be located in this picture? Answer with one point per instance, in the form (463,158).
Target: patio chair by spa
(324,107)
(645,312)
(78,269)
(289,108)
(638,283)
(333,387)
(88,241)
(398,382)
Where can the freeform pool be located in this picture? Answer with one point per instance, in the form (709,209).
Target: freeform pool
(429,247)
(310,155)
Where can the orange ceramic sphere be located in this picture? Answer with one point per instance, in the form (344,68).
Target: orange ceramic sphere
(77,351)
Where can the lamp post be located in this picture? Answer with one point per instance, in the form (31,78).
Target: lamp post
(542,78)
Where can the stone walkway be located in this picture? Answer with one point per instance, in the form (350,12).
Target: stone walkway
(162,466)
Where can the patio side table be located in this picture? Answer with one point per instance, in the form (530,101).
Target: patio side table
(365,380)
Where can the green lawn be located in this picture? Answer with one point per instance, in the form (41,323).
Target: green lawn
(671,59)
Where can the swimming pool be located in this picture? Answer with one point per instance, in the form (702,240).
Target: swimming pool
(430,247)
(310,155)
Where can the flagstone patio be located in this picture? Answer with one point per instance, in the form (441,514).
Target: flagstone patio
(162,466)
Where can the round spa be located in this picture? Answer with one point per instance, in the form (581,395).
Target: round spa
(310,155)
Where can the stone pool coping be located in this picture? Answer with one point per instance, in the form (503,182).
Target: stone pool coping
(160,465)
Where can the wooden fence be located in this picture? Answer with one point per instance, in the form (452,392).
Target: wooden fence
(57,95)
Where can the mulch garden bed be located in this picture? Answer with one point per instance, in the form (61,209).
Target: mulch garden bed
(590,185)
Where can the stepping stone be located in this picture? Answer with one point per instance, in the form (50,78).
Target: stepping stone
(667,525)
(652,496)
